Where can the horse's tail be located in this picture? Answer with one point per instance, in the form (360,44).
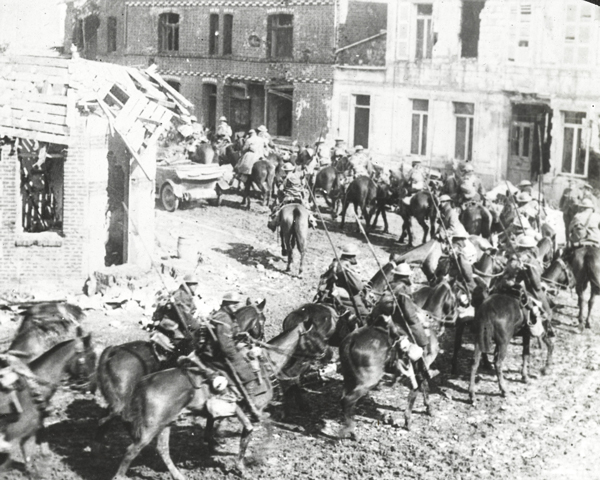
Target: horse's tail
(298,234)
(592,266)
(135,413)
(107,379)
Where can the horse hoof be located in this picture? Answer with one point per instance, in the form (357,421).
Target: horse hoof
(525,379)
(407,425)
(429,411)
(587,325)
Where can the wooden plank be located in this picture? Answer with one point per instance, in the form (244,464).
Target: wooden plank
(23,104)
(34,135)
(36,60)
(145,84)
(40,98)
(26,124)
(35,77)
(52,71)
(130,118)
(39,116)
(174,93)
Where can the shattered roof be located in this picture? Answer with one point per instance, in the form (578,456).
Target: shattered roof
(40,96)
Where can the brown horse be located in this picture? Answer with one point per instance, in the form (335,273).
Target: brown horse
(73,359)
(498,318)
(262,175)
(160,398)
(121,367)
(422,208)
(44,325)
(585,264)
(477,220)
(292,220)
(330,184)
(205,154)
(362,194)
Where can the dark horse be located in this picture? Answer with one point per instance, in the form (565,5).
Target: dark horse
(74,359)
(422,208)
(361,193)
(160,398)
(292,220)
(498,318)
(121,367)
(262,175)
(585,264)
(477,220)
(330,184)
(44,325)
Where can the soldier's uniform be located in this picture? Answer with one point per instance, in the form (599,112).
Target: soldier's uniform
(223,130)
(470,188)
(585,226)
(416,177)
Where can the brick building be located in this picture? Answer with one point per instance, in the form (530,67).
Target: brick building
(254,61)
(73,152)
(507,84)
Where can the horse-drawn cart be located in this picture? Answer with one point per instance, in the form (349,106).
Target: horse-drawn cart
(186,181)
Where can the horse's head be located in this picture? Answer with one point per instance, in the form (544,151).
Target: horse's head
(82,368)
(251,318)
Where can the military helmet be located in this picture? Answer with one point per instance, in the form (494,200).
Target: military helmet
(262,128)
(525,241)
(523,197)
(222,119)
(190,278)
(445,198)
(403,270)
(287,167)
(349,250)
(416,160)
(468,167)
(524,183)
(586,203)
(231,297)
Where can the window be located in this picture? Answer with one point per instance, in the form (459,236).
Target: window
(213,39)
(519,43)
(42,182)
(362,114)
(227,34)
(469,29)
(111,34)
(280,36)
(579,27)
(280,108)
(168,32)
(424,30)
(418,144)
(174,84)
(463,149)
(575,158)
(209,100)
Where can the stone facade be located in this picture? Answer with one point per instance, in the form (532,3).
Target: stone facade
(517,69)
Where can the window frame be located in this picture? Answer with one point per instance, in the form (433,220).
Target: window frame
(572,43)
(274,34)
(424,47)
(423,123)
(213,34)
(469,118)
(111,34)
(228,34)
(581,133)
(168,32)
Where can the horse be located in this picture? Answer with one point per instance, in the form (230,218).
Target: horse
(422,208)
(44,325)
(585,264)
(498,318)
(292,219)
(205,154)
(385,196)
(74,359)
(361,193)
(262,175)
(160,398)
(121,367)
(330,184)
(476,219)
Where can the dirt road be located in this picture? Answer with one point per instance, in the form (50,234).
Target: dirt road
(547,429)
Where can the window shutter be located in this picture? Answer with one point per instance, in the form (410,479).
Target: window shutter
(402,31)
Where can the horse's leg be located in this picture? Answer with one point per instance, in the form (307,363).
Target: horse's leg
(134,450)
(581,303)
(526,353)
(550,346)
(245,439)
(209,435)
(344,208)
(458,333)
(425,228)
(162,445)
(103,425)
(474,368)
(593,294)
(349,401)
(385,221)
(425,391)
(501,350)
(412,396)
(28,448)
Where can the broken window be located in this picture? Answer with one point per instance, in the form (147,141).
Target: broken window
(111,34)
(469,28)
(464,113)
(362,116)
(227,34)
(168,32)
(42,185)
(579,28)
(418,144)
(424,30)
(575,154)
(280,103)
(213,36)
(520,35)
(280,36)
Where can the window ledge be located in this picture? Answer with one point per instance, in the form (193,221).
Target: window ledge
(41,239)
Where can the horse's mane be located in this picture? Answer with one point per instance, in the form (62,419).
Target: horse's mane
(50,317)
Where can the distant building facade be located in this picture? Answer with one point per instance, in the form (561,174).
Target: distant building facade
(507,84)
(257,62)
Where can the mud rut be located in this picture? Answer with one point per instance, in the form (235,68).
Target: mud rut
(547,429)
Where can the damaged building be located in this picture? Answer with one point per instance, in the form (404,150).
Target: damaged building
(78,162)
(256,62)
(506,84)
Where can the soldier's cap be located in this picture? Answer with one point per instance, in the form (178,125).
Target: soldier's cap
(349,250)
(525,183)
(231,297)
(523,197)
(586,203)
(190,278)
(339,140)
(359,148)
(459,233)
(262,128)
(287,167)
(445,198)
(416,160)
(525,241)
(402,270)
(468,167)
(587,186)
(251,131)
(222,119)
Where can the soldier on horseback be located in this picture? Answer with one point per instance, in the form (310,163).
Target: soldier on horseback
(461,255)
(416,177)
(585,226)
(223,131)
(449,215)
(293,190)
(339,151)
(470,187)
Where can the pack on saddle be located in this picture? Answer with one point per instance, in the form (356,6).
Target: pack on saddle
(522,280)
(291,191)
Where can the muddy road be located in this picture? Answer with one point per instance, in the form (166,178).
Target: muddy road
(547,429)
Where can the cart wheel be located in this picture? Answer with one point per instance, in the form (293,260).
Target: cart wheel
(168,198)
